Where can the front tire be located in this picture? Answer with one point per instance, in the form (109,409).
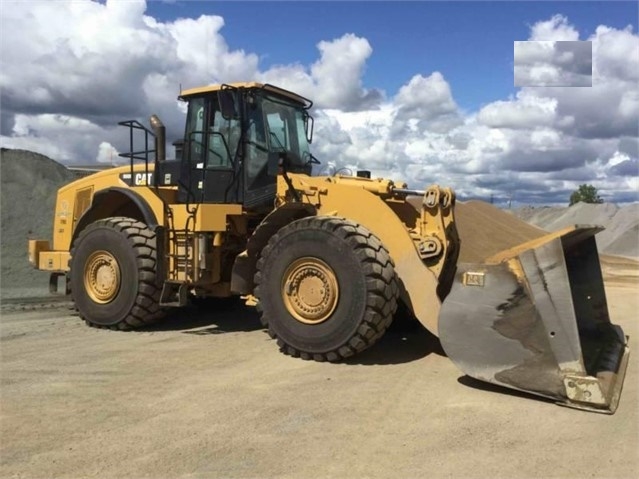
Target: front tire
(326,287)
(113,274)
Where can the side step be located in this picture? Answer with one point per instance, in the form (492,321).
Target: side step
(174,294)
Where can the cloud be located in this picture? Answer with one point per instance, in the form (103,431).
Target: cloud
(72,70)
(616,53)
(107,153)
(569,134)
(108,62)
(428,101)
(556,28)
(333,81)
(525,112)
(553,63)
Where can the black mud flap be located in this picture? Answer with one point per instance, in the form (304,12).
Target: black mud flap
(535,318)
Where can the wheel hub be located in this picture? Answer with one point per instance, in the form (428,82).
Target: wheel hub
(101,277)
(310,290)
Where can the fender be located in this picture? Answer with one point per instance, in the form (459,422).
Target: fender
(114,201)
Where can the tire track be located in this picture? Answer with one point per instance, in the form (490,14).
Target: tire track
(34,304)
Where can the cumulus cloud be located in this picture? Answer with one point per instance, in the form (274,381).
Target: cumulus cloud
(525,112)
(333,81)
(556,28)
(558,132)
(107,153)
(107,62)
(84,65)
(428,101)
(549,63)
(616,53)
(538,145)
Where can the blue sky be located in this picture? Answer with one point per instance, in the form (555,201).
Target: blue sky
(471,43)
(415,91)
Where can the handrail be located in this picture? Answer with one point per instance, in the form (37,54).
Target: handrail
(141,155)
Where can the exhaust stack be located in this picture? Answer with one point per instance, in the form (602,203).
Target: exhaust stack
(160,137)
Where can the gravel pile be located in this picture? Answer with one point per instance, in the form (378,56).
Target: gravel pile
(621,236)
(29,182)
(485,230)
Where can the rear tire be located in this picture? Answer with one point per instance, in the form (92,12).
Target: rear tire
(113,274)
(326,287)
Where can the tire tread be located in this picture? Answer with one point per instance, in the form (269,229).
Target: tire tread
(381,281)
(146,309)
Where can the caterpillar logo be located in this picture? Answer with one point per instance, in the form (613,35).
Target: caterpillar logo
(139,179)
(143,179)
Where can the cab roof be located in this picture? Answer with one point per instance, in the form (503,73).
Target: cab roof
(185,94)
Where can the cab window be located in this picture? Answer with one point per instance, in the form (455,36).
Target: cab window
(223,138)
(195,130)
(212,140)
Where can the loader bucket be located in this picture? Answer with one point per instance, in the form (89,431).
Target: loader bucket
(535,318)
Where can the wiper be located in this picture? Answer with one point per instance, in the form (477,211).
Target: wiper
(313,160)
(287,154)
(277,140)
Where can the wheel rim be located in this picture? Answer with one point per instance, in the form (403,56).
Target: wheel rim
(102,277)
(310,290)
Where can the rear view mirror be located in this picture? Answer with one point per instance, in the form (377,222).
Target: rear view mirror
(309,122)
(227,104)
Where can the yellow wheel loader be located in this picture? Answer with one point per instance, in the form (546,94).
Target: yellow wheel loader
(327,259)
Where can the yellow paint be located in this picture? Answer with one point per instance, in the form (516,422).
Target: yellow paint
(310,290)
(66,214)
(54,260)
(369,202)
(101,277)
(35,248)
(207,218)
(532,244)
(341,196)
(213,217)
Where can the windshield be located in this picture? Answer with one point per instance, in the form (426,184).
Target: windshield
(286,129)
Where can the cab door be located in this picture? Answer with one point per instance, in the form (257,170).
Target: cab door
(260,187)
(210,163)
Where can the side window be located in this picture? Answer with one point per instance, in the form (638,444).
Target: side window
(257,150)
(277,131)
(223,138)
(194,136)
(302,142)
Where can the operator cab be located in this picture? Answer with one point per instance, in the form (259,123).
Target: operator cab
(237,138)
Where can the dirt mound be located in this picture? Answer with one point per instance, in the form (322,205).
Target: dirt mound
(485,230)
(29,182)
(621,236)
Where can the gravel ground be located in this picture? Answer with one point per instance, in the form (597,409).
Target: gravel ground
(208,395)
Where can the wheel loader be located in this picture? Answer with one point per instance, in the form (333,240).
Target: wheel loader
(326,259)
